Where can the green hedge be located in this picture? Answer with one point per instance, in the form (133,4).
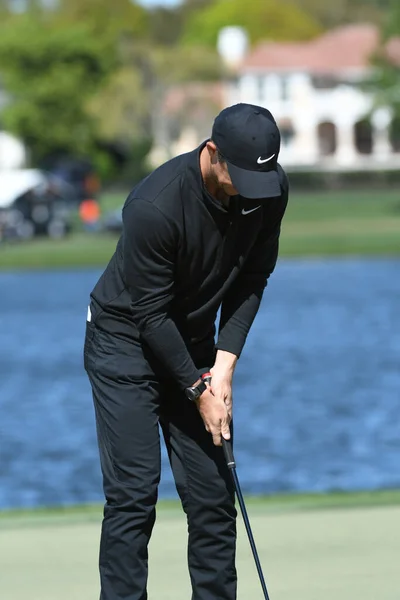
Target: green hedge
(344,180)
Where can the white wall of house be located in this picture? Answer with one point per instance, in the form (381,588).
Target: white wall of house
(303,108)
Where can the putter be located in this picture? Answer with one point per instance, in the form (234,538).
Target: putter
(230,461)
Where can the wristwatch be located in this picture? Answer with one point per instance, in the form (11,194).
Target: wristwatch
(193,393)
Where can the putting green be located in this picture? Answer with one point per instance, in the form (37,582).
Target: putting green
(347,553)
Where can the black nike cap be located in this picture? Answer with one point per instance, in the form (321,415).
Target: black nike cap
(248,138)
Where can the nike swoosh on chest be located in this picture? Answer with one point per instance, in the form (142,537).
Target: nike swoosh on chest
(247,212)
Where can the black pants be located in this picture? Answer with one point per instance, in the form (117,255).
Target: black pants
(130,403)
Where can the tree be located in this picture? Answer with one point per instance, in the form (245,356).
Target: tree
(105,18)
(165,26)
(121,108)
(385,80)
(5,11)
(383,83)
(269,19)
(391,26)
(333,14)
(50,73)
(124,108)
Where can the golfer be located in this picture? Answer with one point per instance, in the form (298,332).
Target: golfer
(200,233)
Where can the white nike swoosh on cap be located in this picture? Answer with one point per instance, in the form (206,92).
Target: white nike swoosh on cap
(261,161)
(247,212)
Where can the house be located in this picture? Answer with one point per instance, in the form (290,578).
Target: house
(315,91)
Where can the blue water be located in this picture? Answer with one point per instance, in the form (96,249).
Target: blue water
(317,390)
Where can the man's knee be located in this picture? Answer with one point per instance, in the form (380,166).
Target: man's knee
(139,494)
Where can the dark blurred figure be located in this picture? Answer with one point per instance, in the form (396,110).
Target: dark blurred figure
(81,182)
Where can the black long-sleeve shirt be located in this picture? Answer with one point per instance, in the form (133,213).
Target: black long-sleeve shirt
(183,255)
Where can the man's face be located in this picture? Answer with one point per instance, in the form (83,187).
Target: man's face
(220,172)
(224,179)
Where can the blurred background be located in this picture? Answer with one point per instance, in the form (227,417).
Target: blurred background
(94,95)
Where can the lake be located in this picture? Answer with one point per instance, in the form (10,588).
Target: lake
(317,390)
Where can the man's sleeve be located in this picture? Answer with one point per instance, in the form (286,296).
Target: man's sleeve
(240,305)
(149,247)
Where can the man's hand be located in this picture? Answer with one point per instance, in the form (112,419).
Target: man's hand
(222,375)
(221,387)
(215,416)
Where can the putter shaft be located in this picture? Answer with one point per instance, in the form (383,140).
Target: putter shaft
(230,461)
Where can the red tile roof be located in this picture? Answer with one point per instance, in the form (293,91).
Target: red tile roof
(348,47)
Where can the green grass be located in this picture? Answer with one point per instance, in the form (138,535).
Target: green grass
(77,251)
(306,555)
(315,224)
(276,503)
(342,223)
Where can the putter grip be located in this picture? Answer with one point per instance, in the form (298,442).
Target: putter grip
(227,446)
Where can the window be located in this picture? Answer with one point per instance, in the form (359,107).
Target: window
(363,136)
(324,82)
(287,131)
(394,133)
(327,138)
